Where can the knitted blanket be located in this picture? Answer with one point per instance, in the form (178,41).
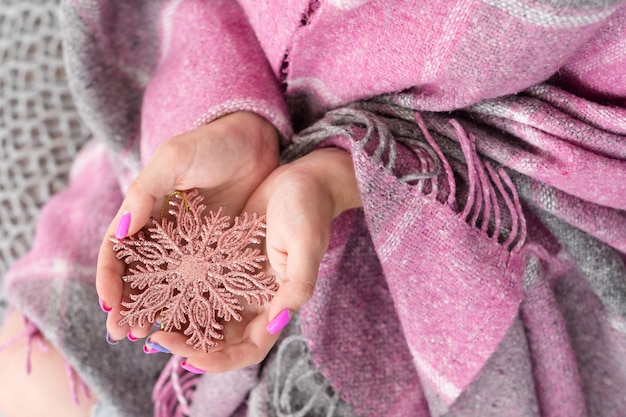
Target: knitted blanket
(40,130)
(484,275)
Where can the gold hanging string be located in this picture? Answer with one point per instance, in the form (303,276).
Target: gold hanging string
(169,197)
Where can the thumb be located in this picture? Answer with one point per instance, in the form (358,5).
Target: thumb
(302,267)
(151,185)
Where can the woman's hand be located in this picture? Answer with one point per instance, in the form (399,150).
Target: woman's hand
(226,160)
(300,200)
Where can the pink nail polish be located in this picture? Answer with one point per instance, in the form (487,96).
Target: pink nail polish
(123,226)
(191,368)
(104,306)
(130,337)
(279,322)
(148,350)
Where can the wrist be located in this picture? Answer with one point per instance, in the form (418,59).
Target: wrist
(256,130)
(335,170)
(253,143)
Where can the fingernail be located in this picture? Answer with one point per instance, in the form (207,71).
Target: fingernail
(111,341)
(104,306)
(155,346)
(148,350)
(130,336)
(191,368)
(123,225)
(279,322)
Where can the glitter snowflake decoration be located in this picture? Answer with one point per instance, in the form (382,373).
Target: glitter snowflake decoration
(193,271)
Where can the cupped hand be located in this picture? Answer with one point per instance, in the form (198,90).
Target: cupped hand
(226,160)
(300,200)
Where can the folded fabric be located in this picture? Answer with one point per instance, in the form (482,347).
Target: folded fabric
(484,274)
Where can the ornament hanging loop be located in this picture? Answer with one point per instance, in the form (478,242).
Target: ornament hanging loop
(169,197)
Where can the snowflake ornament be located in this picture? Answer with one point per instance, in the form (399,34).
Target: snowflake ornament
(192,272)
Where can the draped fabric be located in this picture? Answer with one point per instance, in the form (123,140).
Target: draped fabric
(485,273)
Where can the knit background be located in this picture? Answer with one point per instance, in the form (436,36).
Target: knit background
(40,131)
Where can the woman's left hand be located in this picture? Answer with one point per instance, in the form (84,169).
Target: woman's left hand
(226,160)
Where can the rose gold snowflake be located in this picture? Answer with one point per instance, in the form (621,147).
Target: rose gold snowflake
(192,272)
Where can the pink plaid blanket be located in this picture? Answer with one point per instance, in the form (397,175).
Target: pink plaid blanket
(485,274)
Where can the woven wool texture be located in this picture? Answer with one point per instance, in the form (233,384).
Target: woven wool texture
(484,275)
(40,131)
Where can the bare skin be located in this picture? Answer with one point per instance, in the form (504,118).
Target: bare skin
(226,160)
(300,199)
(298,232)
(46,390)
(233,161)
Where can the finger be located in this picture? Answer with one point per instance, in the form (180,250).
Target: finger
(303,258)
(116,332)
(158,178)
(252,349)
(175,342)
(139,332)
(168,342)
(109,285)
(135,333)
(149,186)
(109,271)
(233,331)
(132,216)
(297,238)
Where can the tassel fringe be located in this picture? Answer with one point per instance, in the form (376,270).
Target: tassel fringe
(173,392)
(379,128)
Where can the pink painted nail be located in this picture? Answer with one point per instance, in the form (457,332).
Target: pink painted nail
(279,322)
(104,306)
(191,368)
(123,226)
(148,350)
(130,336)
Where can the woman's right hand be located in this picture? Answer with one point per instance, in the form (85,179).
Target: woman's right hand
(300,200)
(225,160)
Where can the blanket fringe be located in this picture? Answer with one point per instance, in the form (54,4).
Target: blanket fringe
(32,335)
(72,376)
(486,185)
(451,201)
(489,190)
(481,208)
(173,392)
(297,369)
